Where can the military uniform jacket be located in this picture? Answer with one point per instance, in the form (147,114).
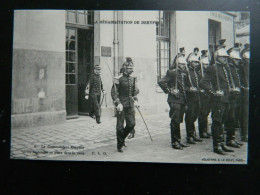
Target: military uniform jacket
(236,79)
(95,85)
(211,74)
(195,77)
(168,82)
(126,90)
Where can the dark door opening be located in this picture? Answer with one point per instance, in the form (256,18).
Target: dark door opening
(79,62)
(214,35)
(85,67)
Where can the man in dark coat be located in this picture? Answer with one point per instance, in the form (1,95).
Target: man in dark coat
(124,94)
(235,97)
(174,84)
(205,99)
(218,76)
(93,92)
(193,98)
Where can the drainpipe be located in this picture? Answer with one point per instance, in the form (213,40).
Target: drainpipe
(115,44)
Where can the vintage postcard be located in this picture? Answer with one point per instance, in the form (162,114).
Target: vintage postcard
(130,86)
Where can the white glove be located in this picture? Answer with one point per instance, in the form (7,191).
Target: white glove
(86,97)
(119,107)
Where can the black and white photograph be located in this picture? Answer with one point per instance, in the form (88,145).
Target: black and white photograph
(155,86)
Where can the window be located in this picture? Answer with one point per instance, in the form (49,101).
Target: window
(163,43)
(81,17)
(71,56)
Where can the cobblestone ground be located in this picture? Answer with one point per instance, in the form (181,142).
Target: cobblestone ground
(84,139)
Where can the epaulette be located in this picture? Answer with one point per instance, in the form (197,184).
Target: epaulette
(116,79)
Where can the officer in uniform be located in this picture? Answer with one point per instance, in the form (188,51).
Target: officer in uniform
(193,97)
(195,52)
(93,92)
(218,76)
(124,94)
(236,47)
(122,70)
(180,55)
(235,97)
(205,99)
(174,84)
(244,70)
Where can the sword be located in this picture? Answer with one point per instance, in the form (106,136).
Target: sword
(144,122)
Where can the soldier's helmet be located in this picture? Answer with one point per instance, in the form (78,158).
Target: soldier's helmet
(204,52)
(222,43)
(181,60)
(194,58)
(97,67)
(222,52)
(235,54)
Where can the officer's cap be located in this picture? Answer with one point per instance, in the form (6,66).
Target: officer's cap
(128,59)
(235,54)
(203,52)
(222,42)
(193,58)
(237,45)
(222,52)
(196,49)
(182,49)
(97,67)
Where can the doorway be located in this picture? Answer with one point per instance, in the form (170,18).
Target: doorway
(79,65)
(214,35)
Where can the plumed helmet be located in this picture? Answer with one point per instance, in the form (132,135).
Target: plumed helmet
(181,60)
(235,54)
(193,58)
(222,52)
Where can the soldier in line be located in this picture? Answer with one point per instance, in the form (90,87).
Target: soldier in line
(93,93)
(174,84)
(124,94)
(193,98)
(194,53)
(205,99)
(218,76)
(244,69)
(180,55)
(235,97)
(236,47)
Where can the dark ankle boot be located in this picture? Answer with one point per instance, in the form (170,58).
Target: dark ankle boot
(98,119)
(218,149)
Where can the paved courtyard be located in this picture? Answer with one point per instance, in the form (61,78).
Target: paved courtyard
(83,139)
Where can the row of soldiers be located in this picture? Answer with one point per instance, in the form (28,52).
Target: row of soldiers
(197,87)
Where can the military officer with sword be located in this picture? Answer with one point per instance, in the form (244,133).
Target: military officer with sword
(205,99)
(193,97)
(124,94)
(218,76)
(174,84)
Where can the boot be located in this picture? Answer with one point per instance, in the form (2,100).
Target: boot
(204,135)
(177,146)
(131,135)
(190,140)
(218,149)
(183,145)
(224,148)
(98,119)
(196,139)
(232,143)
(238,143)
